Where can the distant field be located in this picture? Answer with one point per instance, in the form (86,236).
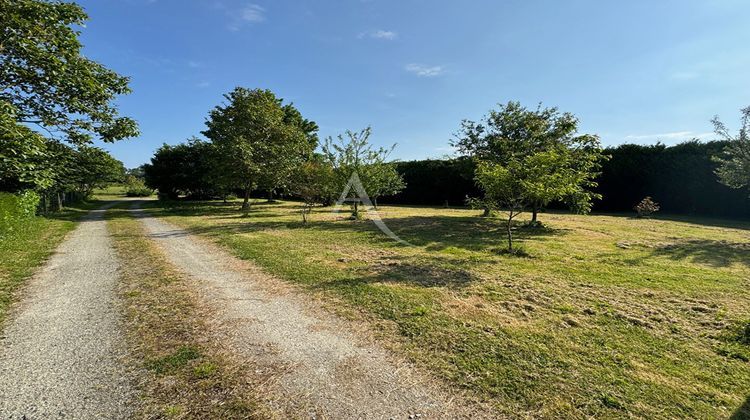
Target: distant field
(112,192)
(610,316)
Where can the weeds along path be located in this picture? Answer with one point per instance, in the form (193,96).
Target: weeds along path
(61,351)
(318,367)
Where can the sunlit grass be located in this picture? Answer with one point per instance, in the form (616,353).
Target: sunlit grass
(609,316)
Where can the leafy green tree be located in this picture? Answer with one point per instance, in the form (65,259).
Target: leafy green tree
(382,179)
(280,178)
(45,79)
(187,168)
(255,138)
(513,186)
(315,183)
(351,154)
(513,132)
(734,163)
(94,168)
(22,155)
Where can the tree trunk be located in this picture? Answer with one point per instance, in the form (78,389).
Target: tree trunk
(375,203)
(246,201)
(486,212)
(356,210)
(59,202)
(510,234)
(534,212)
(270,195)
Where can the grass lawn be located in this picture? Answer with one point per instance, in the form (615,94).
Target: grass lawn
(29,247)
(608,317)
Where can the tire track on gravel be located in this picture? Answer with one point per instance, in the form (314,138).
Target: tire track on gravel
(320,368)
(61,352)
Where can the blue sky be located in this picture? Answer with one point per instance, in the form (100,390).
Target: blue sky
(633,71)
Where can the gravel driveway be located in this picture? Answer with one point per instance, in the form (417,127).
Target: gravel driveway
(61,349)
(322,368)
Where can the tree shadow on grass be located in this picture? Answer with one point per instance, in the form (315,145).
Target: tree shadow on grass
(695,220)
(408,271)
(706,251)
(743,412)
(471,233)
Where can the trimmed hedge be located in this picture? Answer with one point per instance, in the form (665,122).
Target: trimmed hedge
(680,178)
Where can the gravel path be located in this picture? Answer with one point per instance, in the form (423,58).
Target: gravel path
(61,350)
(320,367)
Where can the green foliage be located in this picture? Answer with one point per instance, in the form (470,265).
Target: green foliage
(351,153)
(136,187)
(682,178)
(193,169)
(734,163)
(16,210)
(259,142)
(48,82)
(23,161)
(546,142)
(436,182)
(315,183)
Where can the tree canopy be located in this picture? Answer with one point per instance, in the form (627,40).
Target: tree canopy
(258,140)
(45,80)
(351,153)
(542,136)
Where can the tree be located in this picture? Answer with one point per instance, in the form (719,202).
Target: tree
(94,168)
(254,136)
(513,132)
(382,179)
(47,82)
(514,185)
(315,183)
(22,155)
(272,180)
(734,163)
(351,154)
(190,168)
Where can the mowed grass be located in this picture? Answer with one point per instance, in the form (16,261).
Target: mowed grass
(28,247)
(608,317)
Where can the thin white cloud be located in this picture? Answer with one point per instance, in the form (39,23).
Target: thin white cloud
(424,71)
(194,64)
(249,14)
(203,84)
(379,34)
(674,135)
(253,13)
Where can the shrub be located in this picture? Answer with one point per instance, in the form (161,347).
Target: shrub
(646,207)
(135,187)
(16,210)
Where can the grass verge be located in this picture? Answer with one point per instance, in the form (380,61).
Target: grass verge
(609,317)
(187,376)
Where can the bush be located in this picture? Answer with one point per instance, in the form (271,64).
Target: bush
(646,207)
(135,187)
(16,210)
